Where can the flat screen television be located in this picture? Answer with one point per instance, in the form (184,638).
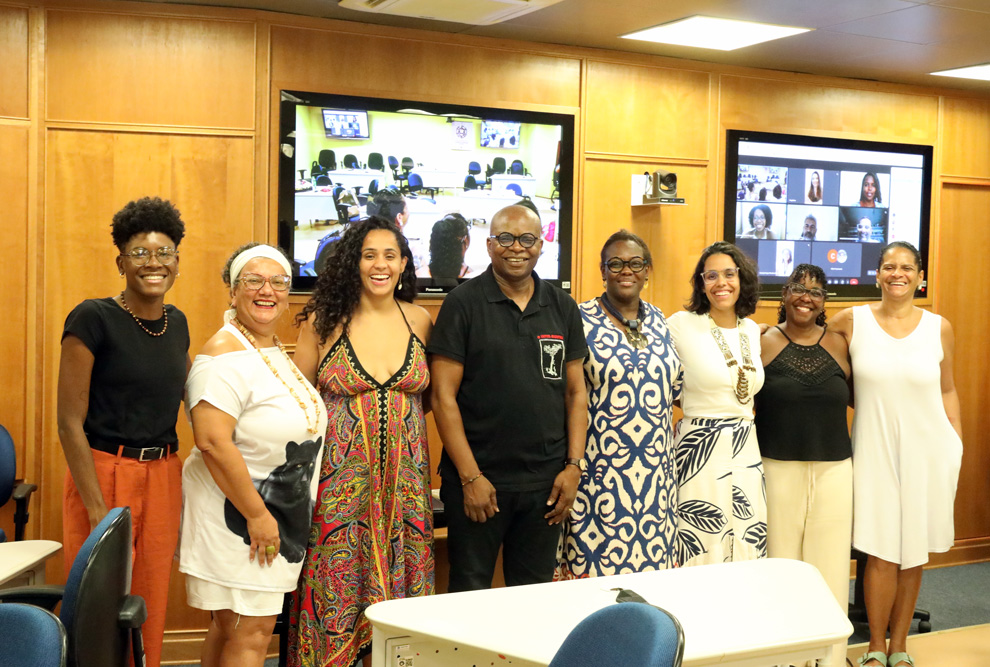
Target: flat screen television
(431,152)
(793,199)
(345,124)
(500,134)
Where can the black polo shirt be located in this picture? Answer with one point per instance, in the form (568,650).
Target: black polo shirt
(512,394)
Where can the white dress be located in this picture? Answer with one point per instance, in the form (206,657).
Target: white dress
(906,455)
(281,455)
(722,505)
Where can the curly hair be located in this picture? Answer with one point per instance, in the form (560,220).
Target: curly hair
(749,281)
(626,235)
(225,272)
(338,288)
(144,216)
(447,246)
(767,215)
(801,273)
(387,203)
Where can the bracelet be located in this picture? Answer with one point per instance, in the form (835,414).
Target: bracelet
(480,474)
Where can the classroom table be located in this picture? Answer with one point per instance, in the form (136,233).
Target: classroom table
(745,614)
(354,178)
(526,183)
(315,205)
(23,563)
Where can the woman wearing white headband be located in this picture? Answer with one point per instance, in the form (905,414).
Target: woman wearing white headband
(250,484)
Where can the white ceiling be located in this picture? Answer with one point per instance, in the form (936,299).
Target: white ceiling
(884,40)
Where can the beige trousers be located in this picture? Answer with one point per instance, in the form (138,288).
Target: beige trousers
(809,518)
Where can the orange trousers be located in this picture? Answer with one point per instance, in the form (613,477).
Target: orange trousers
(153,491)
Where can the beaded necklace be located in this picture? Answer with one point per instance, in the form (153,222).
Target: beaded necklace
(634,333)
(741,388)
(295,371)
(148,331)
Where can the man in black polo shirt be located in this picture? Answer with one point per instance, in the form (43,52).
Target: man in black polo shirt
(510,404)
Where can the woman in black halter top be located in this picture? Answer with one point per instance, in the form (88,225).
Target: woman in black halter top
(804,436)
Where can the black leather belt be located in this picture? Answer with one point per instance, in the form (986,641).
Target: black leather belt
(139,453)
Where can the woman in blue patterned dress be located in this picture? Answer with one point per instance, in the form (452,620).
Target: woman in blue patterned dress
(623,517)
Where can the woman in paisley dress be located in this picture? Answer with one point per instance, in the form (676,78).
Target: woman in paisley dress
(623,516)
(722,506)
(362,343)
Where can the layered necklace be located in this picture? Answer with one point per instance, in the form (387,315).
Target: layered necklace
(634,331)
(310,425)
(741,388)
(148,331)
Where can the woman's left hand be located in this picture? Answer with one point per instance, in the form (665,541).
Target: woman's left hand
(265,544)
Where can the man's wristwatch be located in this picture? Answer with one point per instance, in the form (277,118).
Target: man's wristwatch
(581,464)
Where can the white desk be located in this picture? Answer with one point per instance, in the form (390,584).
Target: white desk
(440,178)
(526,183)
(315,204)
(749,614)
(353,178)
(23,563)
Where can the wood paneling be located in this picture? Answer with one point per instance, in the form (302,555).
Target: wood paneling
(793,104)
(965,140)
(14,56)
(647,111)
(965,215)
(422,70)
(114,68)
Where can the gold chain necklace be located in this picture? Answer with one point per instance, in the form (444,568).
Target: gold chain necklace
(295,371)
(741,388)
(148,331)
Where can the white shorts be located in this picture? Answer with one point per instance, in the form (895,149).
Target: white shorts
(207,595)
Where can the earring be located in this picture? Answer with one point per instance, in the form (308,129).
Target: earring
(646,283)
(604,284)
(400,283)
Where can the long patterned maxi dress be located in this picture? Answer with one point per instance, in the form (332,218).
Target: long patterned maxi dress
(623,519)
(372,534)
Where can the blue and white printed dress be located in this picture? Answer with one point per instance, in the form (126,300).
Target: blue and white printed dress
(623,517)
(722,498)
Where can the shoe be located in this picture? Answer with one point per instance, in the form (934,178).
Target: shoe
(878,656)
(900,659)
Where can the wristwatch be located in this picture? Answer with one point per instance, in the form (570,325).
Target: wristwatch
(581,464)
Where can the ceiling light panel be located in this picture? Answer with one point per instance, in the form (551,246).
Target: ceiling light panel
(705,32)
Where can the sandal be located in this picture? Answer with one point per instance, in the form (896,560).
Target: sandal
(900,658)
(878,656)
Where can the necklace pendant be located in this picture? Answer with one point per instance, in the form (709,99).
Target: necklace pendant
(636,339)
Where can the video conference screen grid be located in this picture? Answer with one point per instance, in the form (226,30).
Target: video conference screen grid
(831,206)
(442,145)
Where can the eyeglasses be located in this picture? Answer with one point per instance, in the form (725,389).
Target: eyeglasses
(253,282)
(141,256)
(711,276)
(505,239)
(816,293)
(636,264)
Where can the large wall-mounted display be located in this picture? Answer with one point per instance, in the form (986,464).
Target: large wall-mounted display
(793,199)
(443,158)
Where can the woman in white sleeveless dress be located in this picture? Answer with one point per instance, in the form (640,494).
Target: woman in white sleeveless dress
(907,446)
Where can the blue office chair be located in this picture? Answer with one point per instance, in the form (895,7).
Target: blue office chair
(101,617)
(9,488)
(630,633)
(517,168)
(416,185)
(33,637)
(514,187)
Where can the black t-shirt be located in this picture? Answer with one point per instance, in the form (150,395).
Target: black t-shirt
(512,393)
(801,409)
(138,380)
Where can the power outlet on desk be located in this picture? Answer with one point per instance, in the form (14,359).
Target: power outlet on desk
(402,656)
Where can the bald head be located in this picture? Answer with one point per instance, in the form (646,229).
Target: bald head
(519,217)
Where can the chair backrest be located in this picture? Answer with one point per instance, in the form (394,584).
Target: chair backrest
(514,187)
(350,161)
(415,182)
(474,168)
(98,583)
(373,187)
(628,633)
(470,183)
(517,167)
(375,161)
(327,159)
(32,637)
(323,179)
(408,164)
(8,465)
(498,165)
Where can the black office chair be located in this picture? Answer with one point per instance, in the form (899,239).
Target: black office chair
(101,617)
(397,176)
(498,165)
(416,185)
(857,608)
(375,161)
(10,488)
(470,183)
(323,180)
(373,187)
(630,633)
(555,193)
(351,161)
(33,637)
(326,162)
(517,168)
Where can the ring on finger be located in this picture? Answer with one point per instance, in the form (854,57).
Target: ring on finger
(270,550)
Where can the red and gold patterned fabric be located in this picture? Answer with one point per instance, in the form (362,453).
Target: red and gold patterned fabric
(372,534)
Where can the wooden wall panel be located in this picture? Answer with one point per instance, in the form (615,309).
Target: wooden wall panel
(965,214)
(113,68)
(422,70)
(675,234)
(783,105)
(14,56)
(965,140)
(13,259)
(647,111)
